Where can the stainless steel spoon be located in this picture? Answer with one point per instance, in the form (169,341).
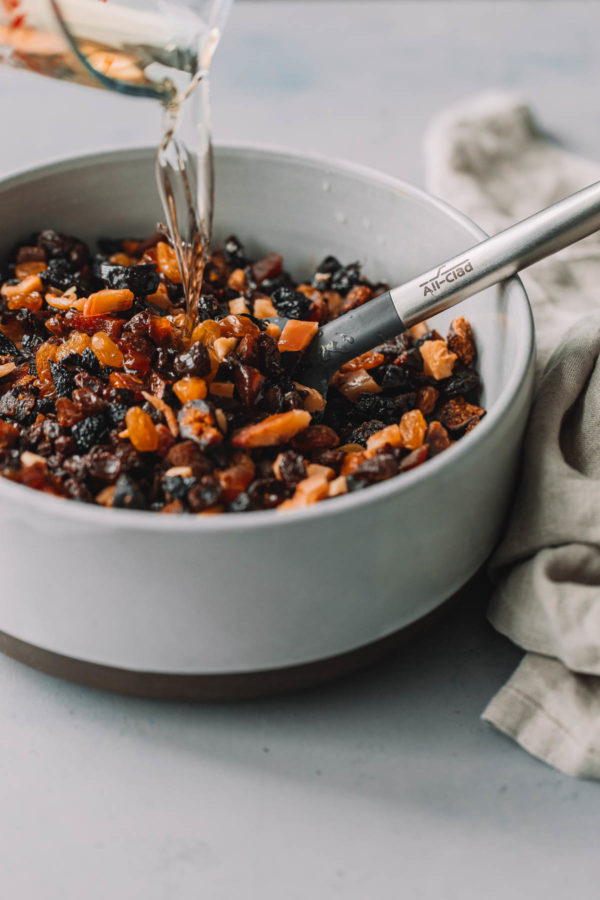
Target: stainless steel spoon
(474,269)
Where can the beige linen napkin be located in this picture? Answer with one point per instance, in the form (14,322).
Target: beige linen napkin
(488,158)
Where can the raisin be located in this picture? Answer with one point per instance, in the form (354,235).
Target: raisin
(17,405)
(88,432)
(59,274)
(291,303)
(176,487)
(379,468)
(315,438)
(248,383)
(437,438)
(90,361)
(394,378)
(269,357)
(103,465)
(211,308)
(7,348)
(345,278)
(235,253)
(460,383)
(290,468)
(427,397)
(128,495)
(204,494)
(355,297)
(324,271)
(266,493)
(361,434)
(64,382)
(194,361)
(88,402)
(115,414)
(140,280)
(89,382)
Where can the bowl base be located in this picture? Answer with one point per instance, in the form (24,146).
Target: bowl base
(220,686)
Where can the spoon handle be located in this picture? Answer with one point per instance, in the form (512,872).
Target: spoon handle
(499,257)
(479,267)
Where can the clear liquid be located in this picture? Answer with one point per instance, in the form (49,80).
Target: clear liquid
(164,55)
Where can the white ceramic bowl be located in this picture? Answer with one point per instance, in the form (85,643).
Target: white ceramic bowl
(223,596)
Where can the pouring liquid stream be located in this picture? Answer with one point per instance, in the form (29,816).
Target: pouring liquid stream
(164,55)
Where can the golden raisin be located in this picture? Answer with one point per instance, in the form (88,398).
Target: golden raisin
(106,351)
(77,342)
(141,430)
(167,262)
(45,354)
(412,429)
(190,387)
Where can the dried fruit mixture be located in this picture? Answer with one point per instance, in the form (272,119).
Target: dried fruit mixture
(103,399)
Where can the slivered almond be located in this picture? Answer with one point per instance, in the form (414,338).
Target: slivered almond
(165,409)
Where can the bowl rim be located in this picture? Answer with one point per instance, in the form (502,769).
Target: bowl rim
(92,514)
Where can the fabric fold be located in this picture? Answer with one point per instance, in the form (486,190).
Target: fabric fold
(488,158)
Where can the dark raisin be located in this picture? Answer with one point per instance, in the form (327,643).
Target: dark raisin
(363,432)
(55,245)
(248,383)
(235,253)
(17,405)
(7,348)
(378,468)
(266,493)
(115,414)
(140,280)
(103,465)
(393,378)
(315,437)
(344,278)
(59,274)
(176,487)
(204,494)
(242,503)
(88,402)
(290,303)
(90,361)
(51,429)
(88,432)
(209,307)
(46,405)
(291,467)
(63,380)
(269,357)
(461,383)
(89,382)
(194,361)
(324,271)
(128,495)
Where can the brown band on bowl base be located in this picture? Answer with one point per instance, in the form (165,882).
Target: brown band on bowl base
(220,687)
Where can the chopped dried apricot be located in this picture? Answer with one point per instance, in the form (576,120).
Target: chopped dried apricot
(107,301)
(438,361)
(273,430)
(296,335)
(263,308)
(238,306)
(353,384)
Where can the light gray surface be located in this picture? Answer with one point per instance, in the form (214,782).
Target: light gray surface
(385,785)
